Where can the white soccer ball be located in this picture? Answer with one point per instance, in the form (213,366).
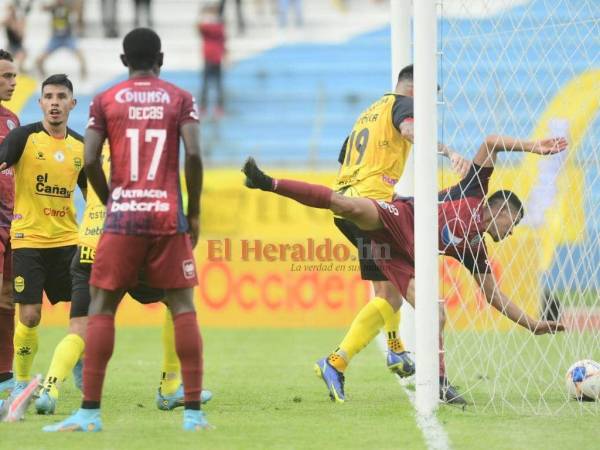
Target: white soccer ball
(583,380)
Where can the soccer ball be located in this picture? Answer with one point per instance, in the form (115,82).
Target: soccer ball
(583,380)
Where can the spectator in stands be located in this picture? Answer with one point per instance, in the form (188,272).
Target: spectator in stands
(62,36)
(284,7)
(14,24)
(143,7)
(109,18)
(212,31)
(239,14)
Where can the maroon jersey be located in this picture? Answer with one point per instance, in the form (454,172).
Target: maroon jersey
(460,220)
(8,121)
(141,118)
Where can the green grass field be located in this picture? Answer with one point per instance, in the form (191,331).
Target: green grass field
(267,397)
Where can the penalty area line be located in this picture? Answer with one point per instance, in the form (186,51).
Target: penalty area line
(433,432)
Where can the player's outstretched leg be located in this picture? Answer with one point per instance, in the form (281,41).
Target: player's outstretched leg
(361,211)
(170,392)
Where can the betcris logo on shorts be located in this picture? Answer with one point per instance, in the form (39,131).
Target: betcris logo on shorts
(139,200)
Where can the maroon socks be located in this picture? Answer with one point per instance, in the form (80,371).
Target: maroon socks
(188,344)
(7,331)
(99,345)
(308,194)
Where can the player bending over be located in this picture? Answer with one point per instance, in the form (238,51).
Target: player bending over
(464,215)
(68,354)
(145,228)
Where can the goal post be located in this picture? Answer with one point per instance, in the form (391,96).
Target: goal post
(426,216)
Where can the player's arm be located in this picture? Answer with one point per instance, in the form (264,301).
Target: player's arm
(504,305)
(194,174)
(403,118)
(93,142)
(82,183)
(12,147)
(493,144)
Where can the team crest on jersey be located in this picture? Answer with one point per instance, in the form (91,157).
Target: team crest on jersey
(40,156)
(59,156)
(19,284)
(77,163)
(11,125)
(189,271)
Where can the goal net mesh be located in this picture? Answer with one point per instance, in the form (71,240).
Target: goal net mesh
(528,69)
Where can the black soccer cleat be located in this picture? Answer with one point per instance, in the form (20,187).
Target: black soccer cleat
(449,394)
(256,178)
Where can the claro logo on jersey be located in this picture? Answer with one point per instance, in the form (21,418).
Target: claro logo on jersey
(42,187)
(128,95)
(134,200)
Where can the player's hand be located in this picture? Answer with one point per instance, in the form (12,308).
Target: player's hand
(548,327)
(549,146)
(459,164)
(194,228)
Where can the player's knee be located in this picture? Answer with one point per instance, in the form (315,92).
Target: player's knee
(30,317)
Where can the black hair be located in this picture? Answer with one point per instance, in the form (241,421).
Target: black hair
(141,47)
(5,56)
(506,197)
(406,74)
(59,79)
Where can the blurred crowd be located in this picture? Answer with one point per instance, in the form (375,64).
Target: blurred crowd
(68,24)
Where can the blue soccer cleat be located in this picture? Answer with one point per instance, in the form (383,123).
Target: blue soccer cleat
(334,380)
(83,420)
(400,363)
(45,404)
(7,385)
(170,402)
(78,375)
(195,420)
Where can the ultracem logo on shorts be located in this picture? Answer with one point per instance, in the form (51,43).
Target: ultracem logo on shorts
(189,271)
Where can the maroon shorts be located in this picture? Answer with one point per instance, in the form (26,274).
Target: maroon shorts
(397,263)
(5,254)
(167,262)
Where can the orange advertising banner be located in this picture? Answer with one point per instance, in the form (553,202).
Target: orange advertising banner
(266,261)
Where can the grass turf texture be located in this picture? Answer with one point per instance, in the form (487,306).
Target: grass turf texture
(266,396)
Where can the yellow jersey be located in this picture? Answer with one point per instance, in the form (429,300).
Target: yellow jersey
(374,155)
(95,211)
(46,173)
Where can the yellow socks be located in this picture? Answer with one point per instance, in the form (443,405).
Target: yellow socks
(391,326)
(26,345)
(364,328)
(171,368)
(66,354)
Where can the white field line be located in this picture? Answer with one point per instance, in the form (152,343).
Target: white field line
(433,432)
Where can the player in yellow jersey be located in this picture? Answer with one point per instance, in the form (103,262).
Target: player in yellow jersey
(68,354)
(47,158)
(372,161)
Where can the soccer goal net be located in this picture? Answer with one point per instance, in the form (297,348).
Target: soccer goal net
(529,69)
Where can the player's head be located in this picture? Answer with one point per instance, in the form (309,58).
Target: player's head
(142,51)
(506,212)
(8,76)
(57,99)
(404,85)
